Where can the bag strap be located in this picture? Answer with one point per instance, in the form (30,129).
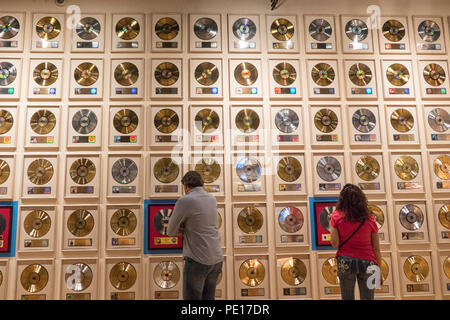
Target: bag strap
(346,240)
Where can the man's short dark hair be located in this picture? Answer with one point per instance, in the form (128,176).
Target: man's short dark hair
(192,179)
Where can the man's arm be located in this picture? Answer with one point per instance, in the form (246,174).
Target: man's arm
(176,219)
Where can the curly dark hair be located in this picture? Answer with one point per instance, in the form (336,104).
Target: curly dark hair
(353,203)
(192,179)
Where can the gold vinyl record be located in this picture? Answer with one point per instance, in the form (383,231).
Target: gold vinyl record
(43,122)
(323,74)
(384,269)
(5,171)
(45,74)
(166,274)
(6,121)
(326,120)
(250,220)
(393,30)
(127,28)
(282,29)
(9,27)
(434,74)
(82,171)
(378,213)
(167,74)
(166,170)
(397,74)
(80,223)
(125,121)
(416,268)
(86,74)
(402,120)
(442,167)
(123,276)
(284,74)
(37,223)
(252,272)
(444,215)
(209,169)
(123,222)
(34,278)
(126,74)
(48,28)
(330,270)
(360,74)
(206,73)
(40,171)
(289,169)
(167,28)
(166,121)
(447,267)
(247,120)
(207,120)
(367,168)
(406,168)
(293,272)
(245,74)
(78,276)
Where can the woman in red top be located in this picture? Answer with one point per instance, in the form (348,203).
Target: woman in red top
(355,233)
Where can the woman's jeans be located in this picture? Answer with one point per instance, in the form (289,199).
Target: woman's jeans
(199,280)
(352,269)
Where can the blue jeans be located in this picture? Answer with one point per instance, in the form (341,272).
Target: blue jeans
(199,280)
(352,269)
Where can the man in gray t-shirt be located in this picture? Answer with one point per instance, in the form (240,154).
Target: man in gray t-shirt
(195,217)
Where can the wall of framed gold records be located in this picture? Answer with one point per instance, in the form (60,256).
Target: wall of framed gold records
(417,260)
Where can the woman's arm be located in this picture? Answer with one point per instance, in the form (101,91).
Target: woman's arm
(376,247)
(334,237)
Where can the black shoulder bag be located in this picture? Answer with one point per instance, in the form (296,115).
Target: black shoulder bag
(354,232)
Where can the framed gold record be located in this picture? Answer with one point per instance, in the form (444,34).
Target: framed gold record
(128,32)
(48,32)
(434,78)
(397,79)
(206,78)
(283,33)
(86,79)
(81,228)
(394,35)
(250,222)
(166,32)
(37,229)
(245,78)
(35,279)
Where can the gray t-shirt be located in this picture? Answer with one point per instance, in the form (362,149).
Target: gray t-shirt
(197,210)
